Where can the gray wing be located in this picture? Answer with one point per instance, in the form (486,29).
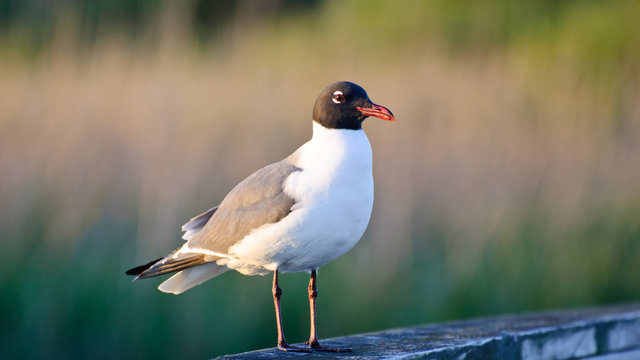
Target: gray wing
(259,199)
(195,224)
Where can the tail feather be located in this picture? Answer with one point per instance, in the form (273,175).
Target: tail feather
(193,269)
(188,278)
(167,265)
(140,269)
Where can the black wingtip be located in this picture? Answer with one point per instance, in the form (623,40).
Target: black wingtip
(140,269)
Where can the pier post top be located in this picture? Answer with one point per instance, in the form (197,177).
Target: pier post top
(599,333)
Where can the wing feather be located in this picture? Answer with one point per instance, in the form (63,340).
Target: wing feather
(196,223)
(259,199)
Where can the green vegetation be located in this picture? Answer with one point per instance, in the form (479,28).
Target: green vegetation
(510,182)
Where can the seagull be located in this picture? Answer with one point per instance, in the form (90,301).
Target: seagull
(294,215)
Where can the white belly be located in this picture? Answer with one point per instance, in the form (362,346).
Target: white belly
(329,229)
(334,198)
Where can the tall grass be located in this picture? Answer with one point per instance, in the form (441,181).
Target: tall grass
(510,182)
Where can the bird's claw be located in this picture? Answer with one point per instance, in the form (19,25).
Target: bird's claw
(291,348)
(315,345)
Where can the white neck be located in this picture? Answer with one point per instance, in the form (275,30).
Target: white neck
(332,158)
(321,132)
(332,149)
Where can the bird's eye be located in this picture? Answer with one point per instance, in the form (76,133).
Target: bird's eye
(338,97)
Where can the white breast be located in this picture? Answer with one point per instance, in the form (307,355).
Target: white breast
(334,198)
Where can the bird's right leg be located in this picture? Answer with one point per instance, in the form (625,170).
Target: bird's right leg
(282,343)
(313,338)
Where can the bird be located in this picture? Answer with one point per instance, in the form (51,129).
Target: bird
(294,215)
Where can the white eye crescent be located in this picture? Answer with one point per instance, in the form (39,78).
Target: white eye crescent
(338,97)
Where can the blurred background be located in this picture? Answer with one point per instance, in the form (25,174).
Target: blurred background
(510,182)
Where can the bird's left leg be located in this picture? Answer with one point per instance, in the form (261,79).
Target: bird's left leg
(313,337)
(282,343)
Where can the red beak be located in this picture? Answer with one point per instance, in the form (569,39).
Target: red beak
(377,111)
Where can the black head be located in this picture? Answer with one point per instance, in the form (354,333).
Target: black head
(345,105)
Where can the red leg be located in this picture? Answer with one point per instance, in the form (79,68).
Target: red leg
(313,337)
(282,343)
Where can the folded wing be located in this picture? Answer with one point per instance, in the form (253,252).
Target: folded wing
(258,200)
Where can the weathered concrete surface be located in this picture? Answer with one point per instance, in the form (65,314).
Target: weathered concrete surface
(605,333)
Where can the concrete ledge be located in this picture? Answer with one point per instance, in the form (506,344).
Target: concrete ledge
(604,333)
